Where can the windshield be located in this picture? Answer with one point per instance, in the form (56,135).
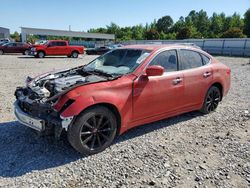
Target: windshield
(44,42)
(119,61)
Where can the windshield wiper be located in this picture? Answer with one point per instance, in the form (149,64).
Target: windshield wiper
(100,72)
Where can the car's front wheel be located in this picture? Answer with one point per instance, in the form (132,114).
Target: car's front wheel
(211,101)
(40,54)
(1,52)
(93,130)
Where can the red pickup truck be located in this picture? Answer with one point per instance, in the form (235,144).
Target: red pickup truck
(56,47)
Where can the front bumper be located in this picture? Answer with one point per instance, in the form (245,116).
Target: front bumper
(25,119)
(41,118)
(33,53)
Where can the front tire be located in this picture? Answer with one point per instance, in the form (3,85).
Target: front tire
(1,52)
(211,101)
(93,130)
(40,54)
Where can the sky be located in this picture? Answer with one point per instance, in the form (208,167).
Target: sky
(82,15)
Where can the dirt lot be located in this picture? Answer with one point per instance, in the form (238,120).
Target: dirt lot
(191,150)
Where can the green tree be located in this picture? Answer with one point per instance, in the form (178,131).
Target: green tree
(15,36)
(247,23)
(216,26)
(178,25)
(164,24)
(137,32)
(152,34)
(183,33)
(233,33)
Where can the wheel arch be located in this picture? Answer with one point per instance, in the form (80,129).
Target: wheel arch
(41,51)
(112,108)
(219,86)
(74,50)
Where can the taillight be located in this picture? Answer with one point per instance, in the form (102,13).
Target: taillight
(228,71)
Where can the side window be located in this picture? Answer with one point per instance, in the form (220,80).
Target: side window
(190,59)
(53,44)
(166,59)
(19,45)
(205,59)
(61,43)
(11,45)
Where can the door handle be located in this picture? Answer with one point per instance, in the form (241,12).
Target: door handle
(207,74)
(177,80)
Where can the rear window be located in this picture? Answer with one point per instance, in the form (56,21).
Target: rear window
(190,59)
(205,59)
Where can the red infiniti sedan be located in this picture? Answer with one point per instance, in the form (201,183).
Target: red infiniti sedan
(119,90)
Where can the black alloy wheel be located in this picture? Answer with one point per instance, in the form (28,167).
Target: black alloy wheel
(212,99)
(93,131)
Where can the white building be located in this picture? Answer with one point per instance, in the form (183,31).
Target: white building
(4,33)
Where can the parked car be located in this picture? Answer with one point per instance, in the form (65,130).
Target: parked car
(99,50)
(4,40)
(55,48)
(15,47)
(122,89)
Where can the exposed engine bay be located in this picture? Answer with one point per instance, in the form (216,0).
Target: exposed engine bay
(33,106)
(50,86)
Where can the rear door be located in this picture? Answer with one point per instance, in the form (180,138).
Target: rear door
(198,76)
(19,47)
(62,48)
(158,95)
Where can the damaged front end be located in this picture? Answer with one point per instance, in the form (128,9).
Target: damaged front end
(34,103)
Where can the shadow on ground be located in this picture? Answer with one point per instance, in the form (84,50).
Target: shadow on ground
(23,151)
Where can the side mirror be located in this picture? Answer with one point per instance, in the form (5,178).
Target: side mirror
(154,70)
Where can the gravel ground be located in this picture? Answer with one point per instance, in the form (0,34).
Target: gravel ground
(191,150)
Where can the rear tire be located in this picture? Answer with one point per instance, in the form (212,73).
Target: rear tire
(93,130)
(74,54)
(1,52)
(211,101)
(26,52)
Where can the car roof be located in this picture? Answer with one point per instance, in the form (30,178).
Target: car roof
(57,41)
(155,47)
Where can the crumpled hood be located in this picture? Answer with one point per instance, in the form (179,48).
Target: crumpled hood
(49,84)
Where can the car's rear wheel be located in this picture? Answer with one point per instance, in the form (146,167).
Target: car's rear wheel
(26,52)
(93,130)
(1,52)
(74,54)
(211,101)
(40,54)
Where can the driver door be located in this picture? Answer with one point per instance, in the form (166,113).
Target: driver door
(52,49)
(158,95)
(10,48)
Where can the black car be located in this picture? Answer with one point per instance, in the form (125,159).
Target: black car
(99,51)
